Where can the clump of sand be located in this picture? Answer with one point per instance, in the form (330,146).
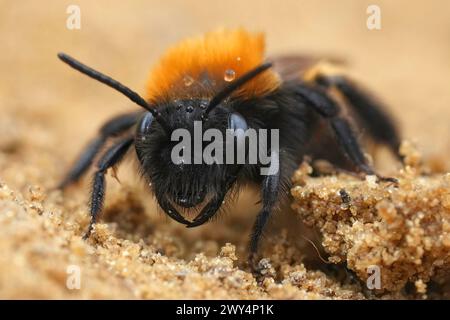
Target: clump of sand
(403,230)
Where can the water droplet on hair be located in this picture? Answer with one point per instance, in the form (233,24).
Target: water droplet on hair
(188,80)
(229,75)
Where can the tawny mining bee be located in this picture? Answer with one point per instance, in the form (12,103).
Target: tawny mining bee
(222,81)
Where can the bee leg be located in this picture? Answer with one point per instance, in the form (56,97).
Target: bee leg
(109,159)
(350,145)
(328,109)
(112,128)
(372,114)
(270,189)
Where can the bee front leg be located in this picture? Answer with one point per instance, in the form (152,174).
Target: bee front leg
(111,157)
(270,190)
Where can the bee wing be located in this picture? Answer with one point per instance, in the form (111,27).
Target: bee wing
(291,67)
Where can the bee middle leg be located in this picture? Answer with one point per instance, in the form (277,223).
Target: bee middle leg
(328,109)
(379,124)
(111,158)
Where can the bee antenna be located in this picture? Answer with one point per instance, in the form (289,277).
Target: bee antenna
(94,74)
(218,98)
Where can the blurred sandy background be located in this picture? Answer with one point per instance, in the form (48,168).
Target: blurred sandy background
(48,111)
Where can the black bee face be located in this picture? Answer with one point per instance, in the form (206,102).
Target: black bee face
(187,185)
(190,198)
(176,161)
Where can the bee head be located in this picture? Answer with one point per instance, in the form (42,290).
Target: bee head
(186,161)
(190,180)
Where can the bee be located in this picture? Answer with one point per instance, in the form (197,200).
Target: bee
(223,80)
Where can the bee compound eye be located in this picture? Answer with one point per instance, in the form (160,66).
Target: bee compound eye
(236,121)
(145,123)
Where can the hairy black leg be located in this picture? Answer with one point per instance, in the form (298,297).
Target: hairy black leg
(379,124)
(270,188)
(349,144)
(113,127)
(111,157)
(328,109)
(83,162)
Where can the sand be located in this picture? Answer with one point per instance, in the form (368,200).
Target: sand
(401,229)
(49,113)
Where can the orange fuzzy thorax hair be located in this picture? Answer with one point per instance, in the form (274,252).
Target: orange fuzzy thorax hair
(199,67)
